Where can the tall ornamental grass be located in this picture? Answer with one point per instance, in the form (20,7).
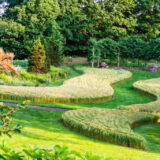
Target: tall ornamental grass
(111,125)
(93,85)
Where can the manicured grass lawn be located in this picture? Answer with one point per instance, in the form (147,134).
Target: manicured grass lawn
(152,135)
(45,128)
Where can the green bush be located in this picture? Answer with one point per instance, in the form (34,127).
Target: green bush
(31,79)
(37,61)
(6,112)
(22,63)
(55,153)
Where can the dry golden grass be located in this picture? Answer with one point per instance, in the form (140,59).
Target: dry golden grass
(94,84)
(151,86)
(6,60)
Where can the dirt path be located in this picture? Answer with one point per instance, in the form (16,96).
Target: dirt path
(38,107)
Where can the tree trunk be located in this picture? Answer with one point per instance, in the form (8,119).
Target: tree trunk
(118,60)
(98,63)
(93,57)
(146,64)
(92,63)
(138,63)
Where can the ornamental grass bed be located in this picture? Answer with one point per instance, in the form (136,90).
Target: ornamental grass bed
(111,125)
(93,85)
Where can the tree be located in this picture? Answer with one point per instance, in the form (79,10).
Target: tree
(27,22)
(93,53)
(54,44)
(152,50)
(112,19)
(103,49)
(133,47)
(37,61)
(148,18)
(108,48)
(12,39)
(72,23)
(82,19)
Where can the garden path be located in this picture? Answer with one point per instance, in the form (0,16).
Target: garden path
(38,107)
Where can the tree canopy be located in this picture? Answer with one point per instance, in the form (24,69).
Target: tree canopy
(72,23)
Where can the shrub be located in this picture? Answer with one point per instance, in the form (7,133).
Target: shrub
(102,49)
(38,58)
(22,63)
(31,79)
(56,153)
(6,113)
(54,44)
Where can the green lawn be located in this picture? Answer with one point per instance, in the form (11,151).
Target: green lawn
(152,135)
(45,128)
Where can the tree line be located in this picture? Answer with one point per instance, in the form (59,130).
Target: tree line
(132,47)
(68,26)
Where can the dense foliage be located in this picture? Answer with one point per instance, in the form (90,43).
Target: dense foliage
(6,113)
(77,21)
(37,61)
(55,153)
(132,47)
(81,20)
(28,21)
(148,16)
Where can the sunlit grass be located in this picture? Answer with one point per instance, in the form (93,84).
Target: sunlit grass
(45,129)
(111,125)
(93,85)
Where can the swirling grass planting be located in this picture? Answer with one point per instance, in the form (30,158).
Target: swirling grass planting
(110,125)
(149,87)
(93,85)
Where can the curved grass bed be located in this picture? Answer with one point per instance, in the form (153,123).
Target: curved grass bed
(116,126)
(111,125)
(93,86)
(151,88)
